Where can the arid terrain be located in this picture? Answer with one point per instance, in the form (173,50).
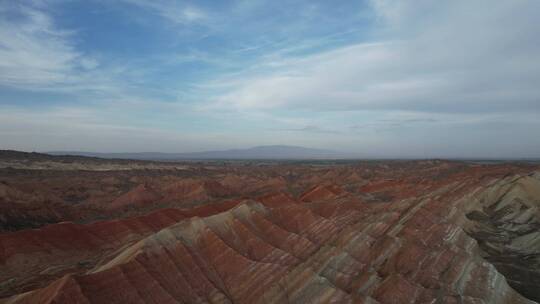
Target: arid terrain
(88,230)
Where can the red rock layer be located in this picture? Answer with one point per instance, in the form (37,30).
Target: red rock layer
(412,251)
(139,196)
(320,192)
(418,232)
(31,258)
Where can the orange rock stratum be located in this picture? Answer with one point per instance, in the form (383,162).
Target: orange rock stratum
(345,232)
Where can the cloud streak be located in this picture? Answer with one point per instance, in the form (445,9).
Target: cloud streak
(311,129)
(173,11)
(447,61)
(33,52)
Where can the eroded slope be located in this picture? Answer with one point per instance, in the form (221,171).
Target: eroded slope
(505,219)
(432,232)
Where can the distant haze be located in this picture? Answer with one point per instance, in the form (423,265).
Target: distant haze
(261,152)
(373,78)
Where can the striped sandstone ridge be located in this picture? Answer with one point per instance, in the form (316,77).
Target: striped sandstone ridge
(505,219)
(424,243)
(33,258)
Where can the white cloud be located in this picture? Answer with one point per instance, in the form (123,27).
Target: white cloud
(173,11)
(461,57)
(37,55)
(89,63)
(33,51)
(191,14)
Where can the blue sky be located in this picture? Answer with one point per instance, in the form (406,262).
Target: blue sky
(379,78)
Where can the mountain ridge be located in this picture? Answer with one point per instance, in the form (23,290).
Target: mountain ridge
(257,152)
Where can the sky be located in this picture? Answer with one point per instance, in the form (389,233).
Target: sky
(377,78)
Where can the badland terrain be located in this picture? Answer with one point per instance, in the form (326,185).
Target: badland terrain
(77,229)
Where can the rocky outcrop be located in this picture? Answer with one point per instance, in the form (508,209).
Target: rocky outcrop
(194,190)
(505,220)
(322,192)
(137,197)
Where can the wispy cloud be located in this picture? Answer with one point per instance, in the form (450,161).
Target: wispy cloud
(36,55)
(454,62)
(311,129)
(392,124)
(173,11)
(33,51)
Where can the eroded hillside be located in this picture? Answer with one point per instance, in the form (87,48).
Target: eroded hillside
(351,232)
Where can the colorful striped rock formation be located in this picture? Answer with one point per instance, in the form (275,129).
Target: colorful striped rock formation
(411,232)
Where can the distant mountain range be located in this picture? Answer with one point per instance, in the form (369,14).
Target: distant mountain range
(260,152)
